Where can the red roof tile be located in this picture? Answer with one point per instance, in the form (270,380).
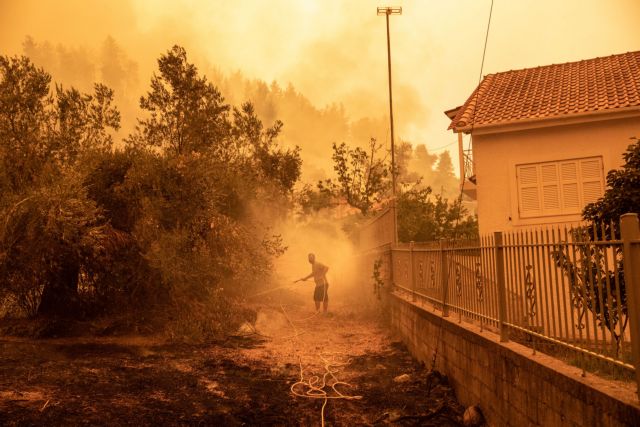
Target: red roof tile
(553,91)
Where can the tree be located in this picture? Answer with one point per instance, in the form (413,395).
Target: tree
(444,180)
(83,122)
(25,112)
(257,146)
(404,157)
(116,69)
(51,230)
(204,181)
(622,194)
(422,163)
(48,238)
(186,112)
(362,175)
(312,200)
(592,280)
(424,217)
(40,130)
(183,208)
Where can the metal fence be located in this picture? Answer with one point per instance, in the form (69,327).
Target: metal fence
(379,231)
(576,288)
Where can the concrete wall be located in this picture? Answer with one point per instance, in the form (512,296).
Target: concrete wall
(512,386)
(496,156)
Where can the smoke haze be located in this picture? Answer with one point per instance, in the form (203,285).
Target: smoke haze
(332,52)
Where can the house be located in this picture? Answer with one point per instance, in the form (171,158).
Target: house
(544,138)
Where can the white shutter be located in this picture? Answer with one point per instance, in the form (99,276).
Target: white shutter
(550,188)
(530,200)
(560,187)
(591,176)
(528,190)
(570,197)
(528,175)
(570,191)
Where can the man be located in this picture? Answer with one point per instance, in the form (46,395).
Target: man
(319,274)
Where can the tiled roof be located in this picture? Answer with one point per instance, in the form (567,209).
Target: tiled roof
(553,91)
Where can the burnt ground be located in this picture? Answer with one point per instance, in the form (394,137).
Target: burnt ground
(244,380)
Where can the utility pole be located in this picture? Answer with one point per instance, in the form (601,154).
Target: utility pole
(386,11)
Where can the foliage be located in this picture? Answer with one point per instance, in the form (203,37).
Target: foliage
(256,148)
(186,112)
(50,239)
(361,175)
(203,171)
(623,192)
(417,167)
(312,200)
(364,181)
(424,217)
(177,219)
(404,158)
(594,286)
(50,224)
(445,181)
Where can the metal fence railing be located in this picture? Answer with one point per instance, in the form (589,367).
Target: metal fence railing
(379,231)
(575,288)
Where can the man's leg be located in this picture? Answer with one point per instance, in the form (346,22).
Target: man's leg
(325,298)
(317,305)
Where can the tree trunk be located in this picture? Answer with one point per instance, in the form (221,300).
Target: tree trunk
(60,294)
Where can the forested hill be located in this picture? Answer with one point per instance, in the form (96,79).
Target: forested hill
(313,128)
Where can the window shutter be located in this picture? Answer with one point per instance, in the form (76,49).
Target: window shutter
(530,200)
(592,185)
(570,192)
(550,188)
(560,187)
(528,190)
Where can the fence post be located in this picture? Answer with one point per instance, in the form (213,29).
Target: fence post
(444,274)
(392,283)
(413,276)
(630,233)
(394,219)
(502,292)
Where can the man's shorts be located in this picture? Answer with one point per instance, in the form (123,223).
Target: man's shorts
(321,293)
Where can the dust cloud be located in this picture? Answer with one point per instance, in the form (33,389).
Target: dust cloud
(324,236)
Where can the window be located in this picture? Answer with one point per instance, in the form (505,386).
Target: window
(558,188)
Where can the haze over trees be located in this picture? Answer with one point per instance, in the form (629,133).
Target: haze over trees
(157,224)
(161,202)
(364,183)
(313,128)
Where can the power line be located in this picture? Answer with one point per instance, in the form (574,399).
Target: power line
(431,150)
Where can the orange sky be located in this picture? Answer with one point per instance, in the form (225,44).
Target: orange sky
(334,50)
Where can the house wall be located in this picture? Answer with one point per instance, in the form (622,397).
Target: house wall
(496,156)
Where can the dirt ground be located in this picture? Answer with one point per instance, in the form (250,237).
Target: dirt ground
(245,380)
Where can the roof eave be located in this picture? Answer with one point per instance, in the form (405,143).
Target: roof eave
(540,122)
(452,113)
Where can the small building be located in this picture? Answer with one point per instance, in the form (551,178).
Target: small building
(544,138)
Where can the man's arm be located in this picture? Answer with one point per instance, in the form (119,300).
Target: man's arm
(304,278)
